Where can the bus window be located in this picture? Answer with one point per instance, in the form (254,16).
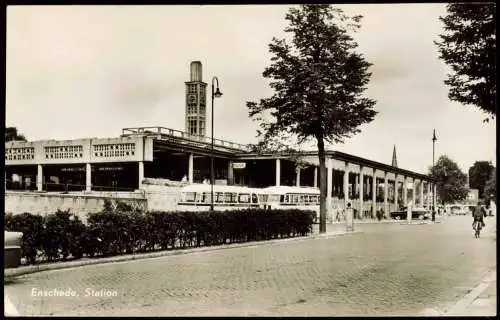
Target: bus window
(206,197)
(199,197)
(244,198)
(263,198)
(219,197)
(274,198)
(283,198)
(254,198)
(230,197)
(189,196)
(295,198)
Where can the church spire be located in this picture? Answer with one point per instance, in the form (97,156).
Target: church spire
(394,158)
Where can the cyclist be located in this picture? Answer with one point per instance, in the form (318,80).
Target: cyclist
(478,215)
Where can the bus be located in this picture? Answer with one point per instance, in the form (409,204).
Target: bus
(196,197)
(285,197)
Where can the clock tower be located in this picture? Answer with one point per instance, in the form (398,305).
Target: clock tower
(196,110)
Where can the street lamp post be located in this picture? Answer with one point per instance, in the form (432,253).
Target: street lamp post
(215,94)
(434,187)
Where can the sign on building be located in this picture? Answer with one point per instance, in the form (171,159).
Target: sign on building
(239,165)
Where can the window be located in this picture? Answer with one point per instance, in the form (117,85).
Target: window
(219,197)
(206,197)
(230,197)
(255,198)
(191,109)
(192,88)
(274,198)
(244,198)
(27,153)
(202,127)
(263,198)
(190,197)
(193,126)
(114,150)
(66,152)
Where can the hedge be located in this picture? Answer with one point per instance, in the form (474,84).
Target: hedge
(120,230)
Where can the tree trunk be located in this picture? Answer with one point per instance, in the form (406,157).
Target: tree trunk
(322,185)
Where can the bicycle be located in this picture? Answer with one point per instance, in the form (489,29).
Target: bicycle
(477,229)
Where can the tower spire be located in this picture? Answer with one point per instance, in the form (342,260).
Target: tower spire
(394,158)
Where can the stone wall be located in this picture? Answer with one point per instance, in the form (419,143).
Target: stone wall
(79,203)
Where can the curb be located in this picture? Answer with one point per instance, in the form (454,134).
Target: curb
(80,263)
(401,222)
(461,305)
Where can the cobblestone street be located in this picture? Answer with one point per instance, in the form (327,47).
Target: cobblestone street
(389,269)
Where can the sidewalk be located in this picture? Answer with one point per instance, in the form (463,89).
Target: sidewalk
(23,270)
(9,309)
(481,301)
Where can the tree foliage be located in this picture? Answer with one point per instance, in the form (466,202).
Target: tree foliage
(11,134)
(318,80)
(490,189)
(450,180)
(468,46)
(479,173)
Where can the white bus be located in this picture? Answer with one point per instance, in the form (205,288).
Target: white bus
(285,197)
(196,197)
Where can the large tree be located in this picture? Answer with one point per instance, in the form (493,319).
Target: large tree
(468,46)
(490,189)
(479,173)
(11,134)
(450,180)
(318,80)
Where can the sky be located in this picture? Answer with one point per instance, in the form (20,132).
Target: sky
(89,71)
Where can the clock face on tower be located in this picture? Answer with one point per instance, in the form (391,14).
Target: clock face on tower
(192,98)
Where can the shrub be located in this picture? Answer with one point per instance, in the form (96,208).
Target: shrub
(121,229)
(63,235)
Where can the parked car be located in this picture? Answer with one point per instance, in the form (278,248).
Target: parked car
(417,213)
(12,249)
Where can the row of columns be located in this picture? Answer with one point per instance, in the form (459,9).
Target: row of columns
(329,168)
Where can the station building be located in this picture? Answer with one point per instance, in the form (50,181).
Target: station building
(127,163)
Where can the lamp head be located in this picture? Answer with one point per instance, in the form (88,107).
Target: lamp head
(217,93)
